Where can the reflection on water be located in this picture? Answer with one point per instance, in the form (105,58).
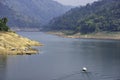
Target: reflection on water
(3,62)
(63,59)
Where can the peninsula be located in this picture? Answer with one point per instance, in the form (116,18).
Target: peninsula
(14,44)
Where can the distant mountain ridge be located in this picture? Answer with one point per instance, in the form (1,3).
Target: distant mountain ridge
(30,13)
(102,15)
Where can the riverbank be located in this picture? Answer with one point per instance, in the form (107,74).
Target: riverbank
(101,35)
(14,44)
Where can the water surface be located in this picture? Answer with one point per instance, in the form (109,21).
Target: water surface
(63,59)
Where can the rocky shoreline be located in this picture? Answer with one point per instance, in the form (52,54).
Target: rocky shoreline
(14,44)
(101,35)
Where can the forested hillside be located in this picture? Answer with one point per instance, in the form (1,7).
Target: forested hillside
(16,20)
(30,13)
(102,15)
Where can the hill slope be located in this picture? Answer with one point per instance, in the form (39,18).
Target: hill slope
(102,15)
(30,13)
(15,20)
(12,43)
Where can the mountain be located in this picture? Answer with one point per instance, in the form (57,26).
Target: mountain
(15,20)
(30,13)
(102,15)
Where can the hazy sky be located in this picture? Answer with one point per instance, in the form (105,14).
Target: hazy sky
(75,2)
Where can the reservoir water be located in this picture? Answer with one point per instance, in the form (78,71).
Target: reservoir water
(63,59)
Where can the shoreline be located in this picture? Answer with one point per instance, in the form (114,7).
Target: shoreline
(14,44)
(100,36)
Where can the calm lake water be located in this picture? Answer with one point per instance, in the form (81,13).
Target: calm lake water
(63,59)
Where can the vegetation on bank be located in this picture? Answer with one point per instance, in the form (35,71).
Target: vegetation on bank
(3,26)
(14,44)
(100,16)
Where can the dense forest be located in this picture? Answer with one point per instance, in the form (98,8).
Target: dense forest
(102,15)
(3,26)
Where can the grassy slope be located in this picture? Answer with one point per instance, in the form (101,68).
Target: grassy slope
(12,43)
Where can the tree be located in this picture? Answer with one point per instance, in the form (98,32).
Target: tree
(3,26)
(4,20)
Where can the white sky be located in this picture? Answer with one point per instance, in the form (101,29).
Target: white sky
(75,2)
